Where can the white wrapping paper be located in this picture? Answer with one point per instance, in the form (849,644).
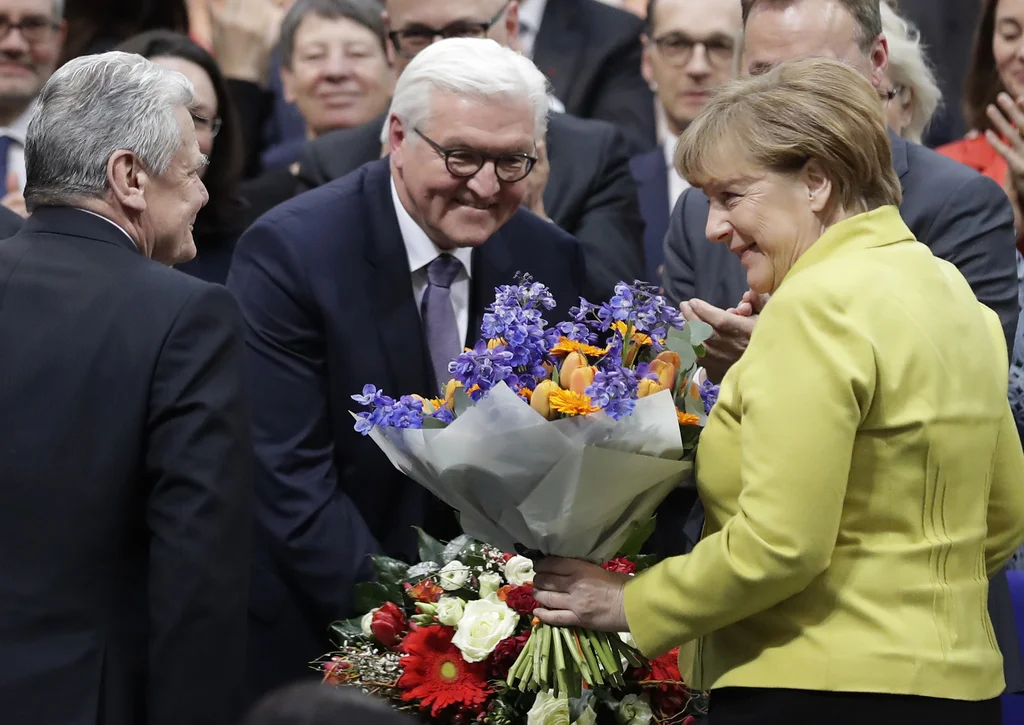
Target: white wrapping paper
(571,487)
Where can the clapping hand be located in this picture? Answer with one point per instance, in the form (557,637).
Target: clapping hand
(1008,119)
(244,33)
(574,593)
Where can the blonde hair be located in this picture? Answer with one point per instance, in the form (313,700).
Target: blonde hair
(909,68)
(802,110)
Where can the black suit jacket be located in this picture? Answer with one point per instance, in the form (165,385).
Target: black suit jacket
(10,223)
(651,176)
(591,53)
(589,194)
(125,501)
(326,293)
(964,217)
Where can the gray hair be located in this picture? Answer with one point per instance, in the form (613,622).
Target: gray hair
(908,67)
(475,68)
(93,107)
(368,13)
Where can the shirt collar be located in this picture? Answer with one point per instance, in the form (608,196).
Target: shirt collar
(531,13)
(19,129)
(420,248)
(110,221)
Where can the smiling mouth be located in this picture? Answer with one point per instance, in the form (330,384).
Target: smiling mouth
(478,205)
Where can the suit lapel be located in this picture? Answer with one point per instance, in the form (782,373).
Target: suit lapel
(559,47)
(652,191)
(398,324)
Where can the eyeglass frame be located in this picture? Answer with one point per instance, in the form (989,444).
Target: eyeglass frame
(436,34)
(446,154)
(45,24)
(660,41)
(213,124)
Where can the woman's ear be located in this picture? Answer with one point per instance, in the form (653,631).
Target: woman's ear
(819,186)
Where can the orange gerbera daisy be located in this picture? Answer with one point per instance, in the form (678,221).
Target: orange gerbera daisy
(437,676)
(638,339)
(565,346)
(526,394)
(567,402)
(687,418)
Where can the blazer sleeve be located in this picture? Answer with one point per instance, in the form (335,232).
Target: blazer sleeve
(974,231)
(677,277)
(610,228)
(321,541)
(199,514)
(803,396)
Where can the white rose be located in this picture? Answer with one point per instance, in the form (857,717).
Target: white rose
(587,717)
(490,583)
(519,571)
(449,610)
(635,710)
(548,710)
(484,623)
(453,576)
(367,621)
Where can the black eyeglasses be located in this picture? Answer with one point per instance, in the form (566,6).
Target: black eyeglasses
(466,163)
(212,125)
(677,49)
(34,29)
(412,40)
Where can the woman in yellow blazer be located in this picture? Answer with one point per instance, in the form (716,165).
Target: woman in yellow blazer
(861,470)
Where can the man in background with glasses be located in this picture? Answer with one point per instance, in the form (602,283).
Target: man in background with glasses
(380,278)
(581,181)
(31,36)
(688,53)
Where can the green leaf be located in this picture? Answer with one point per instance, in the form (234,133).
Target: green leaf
(639,533)
(645,562)
(462,401)
(701,350)
(683,348)
(390,572)
(454,549)
(433,424)
(430,548)
(343,631)
(369,595)
(674,334)
(555,375)
(700,331)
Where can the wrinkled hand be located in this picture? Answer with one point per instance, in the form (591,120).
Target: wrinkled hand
(732,333)
(574,593)
(537,181)
(751,304)
(243,33)
(1008,119)
(13,198)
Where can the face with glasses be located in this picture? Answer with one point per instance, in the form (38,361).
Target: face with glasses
(415,24)
(689,53)
(206,111)
(461,173)
(30,42)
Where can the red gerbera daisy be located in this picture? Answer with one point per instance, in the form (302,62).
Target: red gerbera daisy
(437,676)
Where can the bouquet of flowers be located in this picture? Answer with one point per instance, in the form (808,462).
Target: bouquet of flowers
(446,636)
(557,441)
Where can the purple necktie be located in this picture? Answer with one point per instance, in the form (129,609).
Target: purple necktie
(439,321)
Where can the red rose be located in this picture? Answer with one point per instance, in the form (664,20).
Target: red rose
(520,599)
(388,624)
(506,654)
(506,557)
(668,699)
(622,565)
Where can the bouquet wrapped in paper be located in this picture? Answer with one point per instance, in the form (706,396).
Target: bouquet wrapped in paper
(557,440)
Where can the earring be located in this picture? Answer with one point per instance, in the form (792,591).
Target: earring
(653,85)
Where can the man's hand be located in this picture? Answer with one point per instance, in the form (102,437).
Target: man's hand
(13,198)
(732,333)
(537,181)
(244,32)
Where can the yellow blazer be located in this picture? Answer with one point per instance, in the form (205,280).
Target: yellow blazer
(863,478)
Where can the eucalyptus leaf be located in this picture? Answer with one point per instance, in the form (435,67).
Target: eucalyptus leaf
(682,348)
(430,548)
(674,334)
(700,331)
(370,595)
(462,401)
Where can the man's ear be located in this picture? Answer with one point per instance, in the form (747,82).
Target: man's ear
(127,179)
(819,186)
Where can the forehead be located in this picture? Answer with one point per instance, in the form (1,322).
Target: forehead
(1010,9)
(316,28)
(496,125)
(438,13)
(27,7)
(698,18)
(813,28)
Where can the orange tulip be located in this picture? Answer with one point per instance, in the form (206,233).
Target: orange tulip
(449,393)
(582,378)
(573,362)
(666,373)
(539,399)
(670,357)
(649,387)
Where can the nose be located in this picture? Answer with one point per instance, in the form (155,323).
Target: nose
(718,228)
(485,183)
(14,42)
(204,193)
(699,64)
(337,65)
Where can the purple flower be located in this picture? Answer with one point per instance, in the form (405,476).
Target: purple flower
(482,367)
(709,394)
(614,390)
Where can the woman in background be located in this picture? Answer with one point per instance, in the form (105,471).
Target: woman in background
(913,93)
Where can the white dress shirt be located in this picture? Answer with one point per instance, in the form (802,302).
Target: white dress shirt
(676,183)
(112,222)
(421,251)
(16,152)
(531,13)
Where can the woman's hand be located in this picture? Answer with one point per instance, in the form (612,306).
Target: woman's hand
(243,34)
(1008,119)
(574,593)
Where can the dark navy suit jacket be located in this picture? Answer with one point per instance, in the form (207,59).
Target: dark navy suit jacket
(324,284)
(651,176)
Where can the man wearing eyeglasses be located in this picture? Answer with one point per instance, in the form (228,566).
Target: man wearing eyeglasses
(31,36)
(380,277)
(582,181)
(688,53)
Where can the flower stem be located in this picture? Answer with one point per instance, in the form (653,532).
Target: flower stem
(516,669)
(588,652)
(537,632)
(576,654)
(545,650)
(560,674)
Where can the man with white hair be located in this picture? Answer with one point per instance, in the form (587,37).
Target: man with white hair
(125,504)
(380,277)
